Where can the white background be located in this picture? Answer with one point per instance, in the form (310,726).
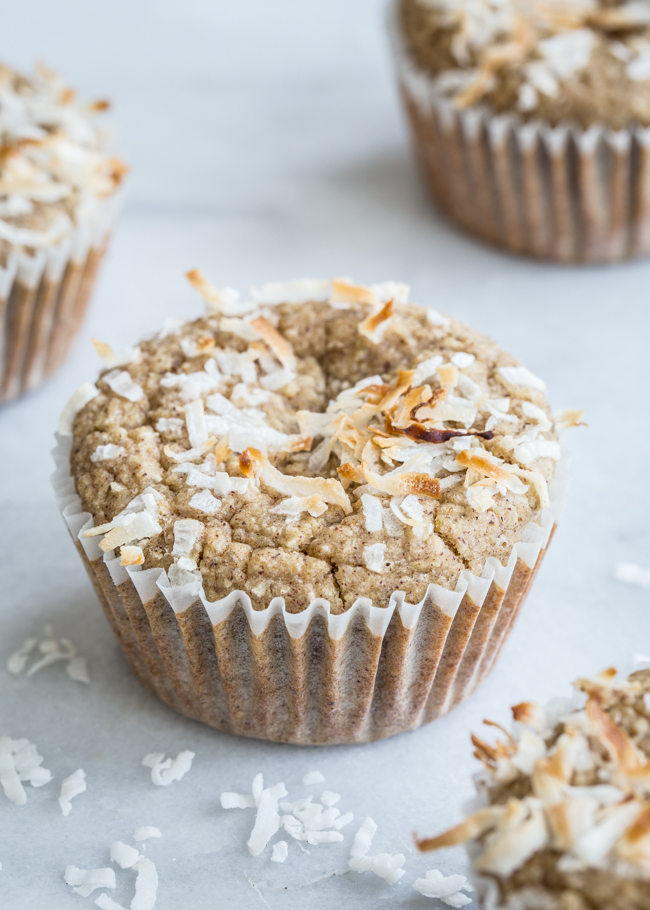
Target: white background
(266,142)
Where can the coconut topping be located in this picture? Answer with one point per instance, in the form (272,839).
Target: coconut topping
(306,449)
(527,53)
(54,167)
(568,793)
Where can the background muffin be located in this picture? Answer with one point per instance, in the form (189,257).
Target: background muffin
(530,120)
(57,206)
(566,816)
(338,502)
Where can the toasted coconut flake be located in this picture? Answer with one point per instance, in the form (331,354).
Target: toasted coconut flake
(403,384)
(421,434)
(276,342)
(131,556)
(224,302)
(473,827)
(255,465)
(537,481)
(426,369)
(399,482)
(345,291)
(374,327)
(569,418)
(352,473)
(488,465)
(447,376)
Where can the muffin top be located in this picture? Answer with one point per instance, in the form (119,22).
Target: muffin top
(323,440)
(53,169)
(566,822)
(579,61)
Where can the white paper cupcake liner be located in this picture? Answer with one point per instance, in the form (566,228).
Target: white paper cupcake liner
(309,677)
(43,300)
(559,193)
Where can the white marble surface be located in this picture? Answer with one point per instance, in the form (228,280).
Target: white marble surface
(266,143)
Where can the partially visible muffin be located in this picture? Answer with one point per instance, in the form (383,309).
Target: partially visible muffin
(565,823)
(57,182)
(529,119)
(327,446)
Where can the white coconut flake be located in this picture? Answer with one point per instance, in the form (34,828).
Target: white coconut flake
(527,452)
(436,318)
(85,881)
(373,557)
(122,384)
(144,832)
(462,360)
(447,889)
(267,820)
(124,855)
(186,534)
(372,511)
(75,403)
(521,376)
(329,798)
(280,851)
(425,370)
(166,771)
(632,574)
(71,786)
(197,429)
(230,800)
(363,838)
(18,660)
(19,761)
(313,777)
(104,902)
(108,452)
(146,885)
(204,501)
(342,820)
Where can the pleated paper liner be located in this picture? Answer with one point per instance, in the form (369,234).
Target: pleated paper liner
(43,301)
(309,677)
(558,193)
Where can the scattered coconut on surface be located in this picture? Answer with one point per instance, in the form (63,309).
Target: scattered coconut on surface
(165,771)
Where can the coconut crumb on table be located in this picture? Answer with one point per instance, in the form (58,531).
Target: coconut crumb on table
(238,467)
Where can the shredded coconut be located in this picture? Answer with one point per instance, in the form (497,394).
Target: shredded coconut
(122,384)
(280,851)
(124,855)
(385,865)
(107,453)
(313,777)
(447,889)
(144,832)
(70,787)
(166,771)
(85,881)
(373,557)
(521,376)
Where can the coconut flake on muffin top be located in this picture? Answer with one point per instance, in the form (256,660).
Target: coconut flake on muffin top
(584,61)
(323,440)
(53,166)
(566,820)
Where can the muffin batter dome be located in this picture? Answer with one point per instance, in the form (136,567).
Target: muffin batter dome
(325,440)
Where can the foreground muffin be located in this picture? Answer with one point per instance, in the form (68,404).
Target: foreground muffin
(530,120)
(57,206)
(565,823)
(328,506)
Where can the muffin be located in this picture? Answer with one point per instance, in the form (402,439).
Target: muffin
(314,516)
(565,817)
(530,120)
(57,206)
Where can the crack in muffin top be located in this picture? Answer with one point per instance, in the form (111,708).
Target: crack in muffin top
(579,61)
(324,440)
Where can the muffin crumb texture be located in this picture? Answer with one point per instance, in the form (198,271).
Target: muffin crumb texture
(566,821)
(324,440)
(581,61)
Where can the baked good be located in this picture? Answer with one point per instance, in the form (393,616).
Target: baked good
(530,120)
(57,206)
(565,817)
(330,457)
